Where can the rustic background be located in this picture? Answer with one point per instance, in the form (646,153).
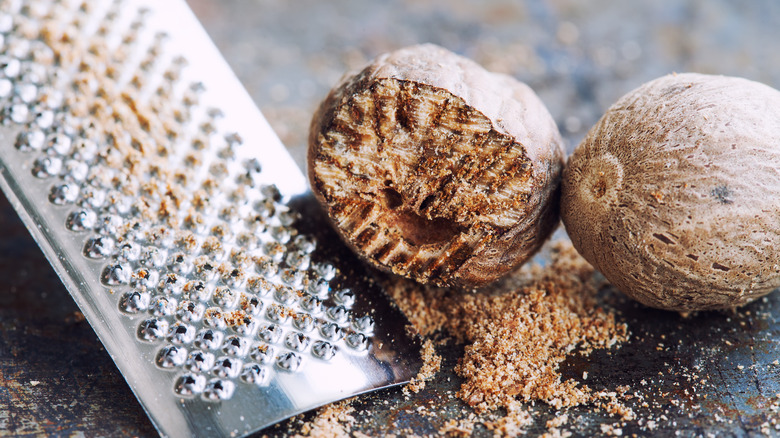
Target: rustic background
(56,379)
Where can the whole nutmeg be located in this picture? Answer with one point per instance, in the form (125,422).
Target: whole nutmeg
(433,168)
(674,195)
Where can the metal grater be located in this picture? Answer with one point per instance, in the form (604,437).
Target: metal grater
(166,204)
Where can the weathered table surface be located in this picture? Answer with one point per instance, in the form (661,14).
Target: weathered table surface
(55,378)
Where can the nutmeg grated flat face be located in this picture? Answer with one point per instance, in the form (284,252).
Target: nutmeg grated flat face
(418,180)
(164,201)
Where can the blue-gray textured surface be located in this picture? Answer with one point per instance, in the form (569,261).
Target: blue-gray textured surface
(713,374)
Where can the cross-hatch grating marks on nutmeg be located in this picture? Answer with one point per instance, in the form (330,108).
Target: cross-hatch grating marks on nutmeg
(435,169)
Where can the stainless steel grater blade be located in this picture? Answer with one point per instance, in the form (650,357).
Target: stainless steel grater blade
(179,223)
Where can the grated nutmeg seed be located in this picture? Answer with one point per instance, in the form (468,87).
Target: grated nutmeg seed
(435,169)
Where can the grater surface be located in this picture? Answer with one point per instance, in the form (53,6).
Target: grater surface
(170,211)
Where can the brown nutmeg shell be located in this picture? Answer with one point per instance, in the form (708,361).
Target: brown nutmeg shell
(674,195)
(433,168)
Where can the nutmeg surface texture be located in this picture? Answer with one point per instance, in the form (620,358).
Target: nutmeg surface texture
(674,195)
(433,168)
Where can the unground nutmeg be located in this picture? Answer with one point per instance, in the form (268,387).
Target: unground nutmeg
(674,195)
(433,168)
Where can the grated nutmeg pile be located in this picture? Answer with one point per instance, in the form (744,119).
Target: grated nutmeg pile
(334,420)
(431,365)
(519,331)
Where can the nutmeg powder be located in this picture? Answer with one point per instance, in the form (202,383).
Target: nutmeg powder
(519,331)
